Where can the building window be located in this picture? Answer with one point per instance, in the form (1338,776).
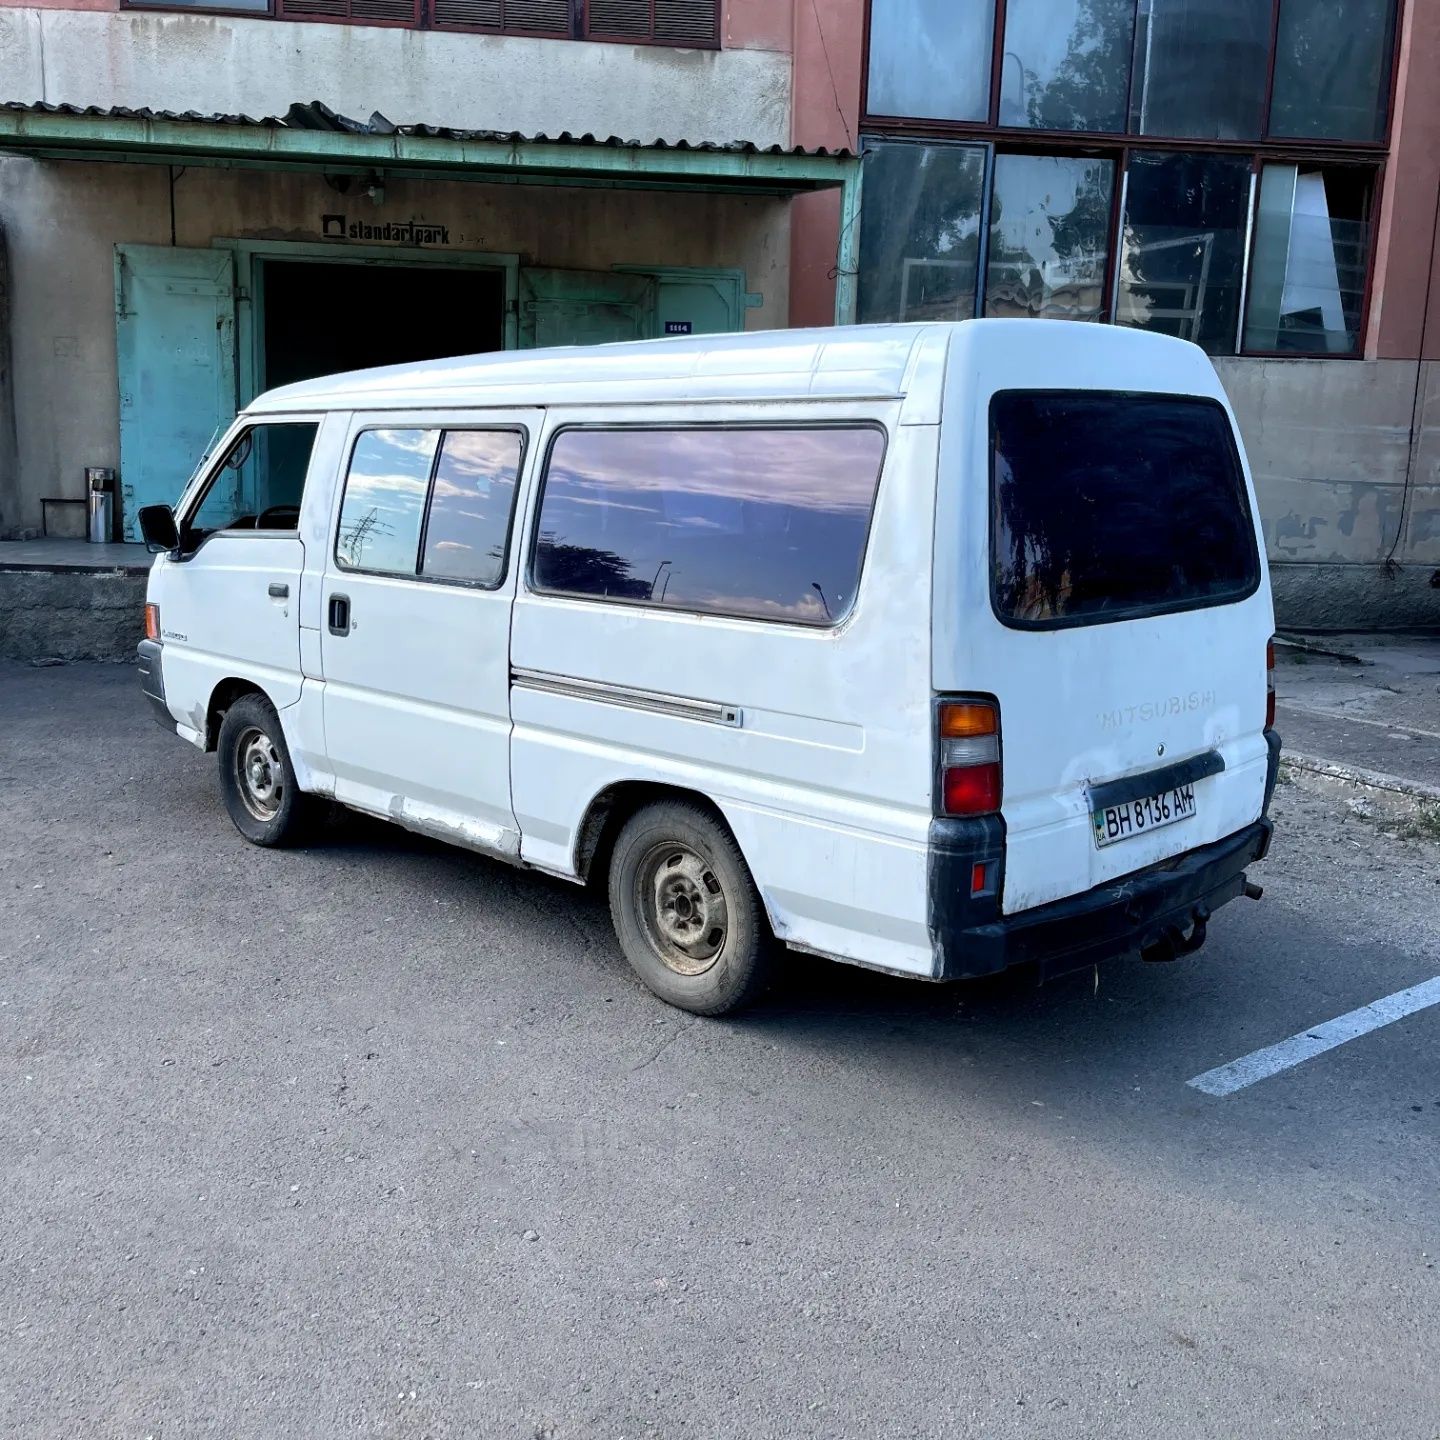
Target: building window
(517,17)
(1150,162)
(920,231)
(1200,69)
(693,24)
(931,58)
(1332,69)
(1066,64)
(1312,251)
(1182,246)
(1048,237)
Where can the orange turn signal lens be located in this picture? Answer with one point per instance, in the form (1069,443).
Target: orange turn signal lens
(152,622)
(965,719)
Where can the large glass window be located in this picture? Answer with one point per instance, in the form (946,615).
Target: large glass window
(1109,506)
(1200,68)
(1066,64)
(1049,237)
(1332,69)
(259,483)
(385,500)
(931,58)
(920,231)
(1312,250)
(768,524)
(1182,246)
(468,524)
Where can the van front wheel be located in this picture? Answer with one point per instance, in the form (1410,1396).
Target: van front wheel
(686,911)
(257,778)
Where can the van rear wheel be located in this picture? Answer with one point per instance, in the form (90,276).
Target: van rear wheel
(686,911)
(257,779)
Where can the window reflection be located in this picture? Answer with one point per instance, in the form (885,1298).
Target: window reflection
(1332,69)
(1312,246)
(931,58)
(384,500)
(1049,223)
(470,505)
(1200,68)
(920,231)
(1066,64)
(1183,246)
(769,524)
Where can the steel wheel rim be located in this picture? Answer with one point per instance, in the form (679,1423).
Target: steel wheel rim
(259,773)
(683,907)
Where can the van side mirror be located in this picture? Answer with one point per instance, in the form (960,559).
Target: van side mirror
(158,529)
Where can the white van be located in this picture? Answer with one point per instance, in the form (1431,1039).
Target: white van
(932,648)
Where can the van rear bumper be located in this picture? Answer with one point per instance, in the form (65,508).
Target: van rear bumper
(1132,914)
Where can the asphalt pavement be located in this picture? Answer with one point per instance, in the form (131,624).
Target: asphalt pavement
(381,1138)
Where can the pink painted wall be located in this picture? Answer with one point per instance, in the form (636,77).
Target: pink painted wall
(1406,249)
(758,24)
(829,37)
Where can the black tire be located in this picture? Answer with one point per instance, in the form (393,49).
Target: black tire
(268,808)
(686,912)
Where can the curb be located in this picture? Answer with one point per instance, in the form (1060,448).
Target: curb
(1356,775)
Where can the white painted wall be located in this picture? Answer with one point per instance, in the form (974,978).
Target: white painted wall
(212,63)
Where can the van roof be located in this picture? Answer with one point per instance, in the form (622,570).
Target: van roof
(853,362)
(861,362)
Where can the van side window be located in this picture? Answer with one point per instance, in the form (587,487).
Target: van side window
(761,523)
(384,502)
(471,499)
(259,482)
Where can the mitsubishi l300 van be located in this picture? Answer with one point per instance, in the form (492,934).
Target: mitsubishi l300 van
(932,648)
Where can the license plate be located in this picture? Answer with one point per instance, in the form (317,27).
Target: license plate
(1139,817)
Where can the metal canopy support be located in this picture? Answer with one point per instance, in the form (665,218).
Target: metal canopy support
(847,263)
(135,138)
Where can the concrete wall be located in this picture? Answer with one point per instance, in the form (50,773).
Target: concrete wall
(211,63)
(1349,499)
(63,220)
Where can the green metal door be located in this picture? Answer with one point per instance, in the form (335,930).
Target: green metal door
(175,342)
(699,302)
(584,307)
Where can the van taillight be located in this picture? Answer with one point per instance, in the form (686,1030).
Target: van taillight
(152,622)
(1270,686)
(969,744)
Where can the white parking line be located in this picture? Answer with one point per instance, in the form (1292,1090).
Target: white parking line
(1261,1064)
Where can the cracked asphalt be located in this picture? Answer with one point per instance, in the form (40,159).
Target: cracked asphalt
(380,1138)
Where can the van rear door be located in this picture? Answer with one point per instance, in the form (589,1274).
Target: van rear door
(1120,617)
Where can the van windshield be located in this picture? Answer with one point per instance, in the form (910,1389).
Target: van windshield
(1110,506)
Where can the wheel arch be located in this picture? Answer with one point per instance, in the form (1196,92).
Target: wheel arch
(613,805)
(222,697)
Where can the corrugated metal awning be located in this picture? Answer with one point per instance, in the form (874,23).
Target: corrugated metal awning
(312,136)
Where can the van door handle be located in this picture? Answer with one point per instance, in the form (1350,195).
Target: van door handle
(279,592)
(339,615)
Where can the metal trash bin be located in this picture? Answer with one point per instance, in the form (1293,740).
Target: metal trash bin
(99,503)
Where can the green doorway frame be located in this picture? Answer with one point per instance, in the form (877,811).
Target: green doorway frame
(250,287)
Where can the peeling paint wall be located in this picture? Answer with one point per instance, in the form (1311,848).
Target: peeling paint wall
(64,219)
(246,66)
(1343,486)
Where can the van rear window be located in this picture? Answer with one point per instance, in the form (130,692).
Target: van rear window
(1109,506)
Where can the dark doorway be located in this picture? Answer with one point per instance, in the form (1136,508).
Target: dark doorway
(322,318)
